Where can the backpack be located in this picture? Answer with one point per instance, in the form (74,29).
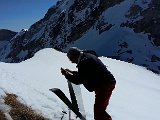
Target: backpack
(91,52)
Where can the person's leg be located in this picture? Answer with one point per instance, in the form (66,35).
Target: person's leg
(102,96)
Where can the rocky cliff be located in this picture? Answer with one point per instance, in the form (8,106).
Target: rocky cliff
(127,30)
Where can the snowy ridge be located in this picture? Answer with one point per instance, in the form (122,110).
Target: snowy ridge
(136,96)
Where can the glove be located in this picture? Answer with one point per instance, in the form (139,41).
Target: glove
(66,72)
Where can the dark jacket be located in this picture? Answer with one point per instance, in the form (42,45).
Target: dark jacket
(92,73)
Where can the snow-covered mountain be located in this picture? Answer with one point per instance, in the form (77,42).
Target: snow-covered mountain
(136,96)
(5,36)
(127,30)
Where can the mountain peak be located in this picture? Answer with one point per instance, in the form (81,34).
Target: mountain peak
(120,29)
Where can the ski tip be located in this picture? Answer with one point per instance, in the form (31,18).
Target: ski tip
(54,89)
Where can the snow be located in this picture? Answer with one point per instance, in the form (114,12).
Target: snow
(136,96)
(116,14)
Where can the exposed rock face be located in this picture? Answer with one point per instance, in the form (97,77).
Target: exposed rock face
(150,22)
(60,26)
(127,30)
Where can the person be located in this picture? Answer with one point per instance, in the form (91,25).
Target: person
(93,74)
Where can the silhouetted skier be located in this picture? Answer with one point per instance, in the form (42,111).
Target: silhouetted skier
(93,74)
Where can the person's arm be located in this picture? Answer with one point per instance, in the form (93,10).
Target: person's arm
(72,76)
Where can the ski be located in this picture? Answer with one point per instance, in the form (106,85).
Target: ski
(72,95)
(76,97)
(63,97)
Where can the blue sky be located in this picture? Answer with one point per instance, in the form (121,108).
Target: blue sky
(18,14)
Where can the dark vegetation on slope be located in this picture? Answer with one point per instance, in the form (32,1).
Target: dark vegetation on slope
(20,111)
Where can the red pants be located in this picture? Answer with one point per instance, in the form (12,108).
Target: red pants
(102,96)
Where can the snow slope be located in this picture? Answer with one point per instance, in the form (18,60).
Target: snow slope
(136,96)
